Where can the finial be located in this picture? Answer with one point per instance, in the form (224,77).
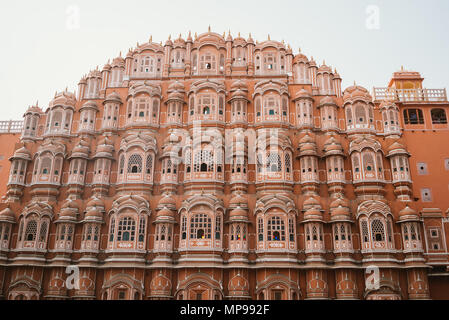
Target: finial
(120,54)
(208,29)
(196,36)
(239,34)
(151,38)
(402,68)
(324,62)
(355,83)
(224,34)
(179,36)
(299,50)
(250,34)
(169,37)
(37,103)
(269,37)
(137,43)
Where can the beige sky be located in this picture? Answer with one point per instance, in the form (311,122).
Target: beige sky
(48,45)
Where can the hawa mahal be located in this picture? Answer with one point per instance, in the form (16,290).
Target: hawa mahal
(216,167)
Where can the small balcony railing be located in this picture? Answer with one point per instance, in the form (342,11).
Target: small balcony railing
(11,126)
(410,95)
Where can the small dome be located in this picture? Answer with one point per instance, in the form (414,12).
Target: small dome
(313,214)
(167,201)
(333,147)
(81,150)
(165,212)
(113,97)
(238,201)
(303,93)
(93,212)
(22,153)
(325,68)
(177,85)
(238,214)
(327,100)
(396,149)
(306,139)
(340,213)
(408,214)
(7,215)
(239,84)
(118,62)
(339,202)
(311,202)
(95,202)
(70,204)
(355,92)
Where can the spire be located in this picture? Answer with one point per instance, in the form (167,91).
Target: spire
(208,29)
(239,34)
(196,36)
(299,50)
(169,37)
(269,37)
(151,38)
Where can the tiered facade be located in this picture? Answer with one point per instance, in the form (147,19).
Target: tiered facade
(219,168)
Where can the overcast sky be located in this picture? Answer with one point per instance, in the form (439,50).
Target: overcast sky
(47,46)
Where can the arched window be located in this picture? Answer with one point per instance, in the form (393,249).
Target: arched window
(31,230)
(377,230)
(275,229)
(200,226)
(260,228)
(438,116)
(135,163)
(274,163)
(126,229)
(360,114)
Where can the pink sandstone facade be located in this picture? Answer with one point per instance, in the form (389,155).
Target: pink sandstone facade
(224,168)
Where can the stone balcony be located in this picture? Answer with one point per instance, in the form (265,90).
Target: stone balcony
(409,95)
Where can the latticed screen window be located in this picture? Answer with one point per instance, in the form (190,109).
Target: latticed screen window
(142,108)
(260,228)
(31,231)
(200,226)
(203,161)
(142,229)
(377,230)
(43,231)
(287,163)
(368,162)
(276,229)
(389,230)
(365,231)
(274,163)
(149,164)
(291,230)
(184,228)
(270,62)
(126,229)
(360,114)
(112,229)
(135,163)
(208,61)
(217,227)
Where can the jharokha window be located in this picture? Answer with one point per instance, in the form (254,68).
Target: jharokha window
(413,116)
(201,230)
(276,232)
(127,231)
(377,233)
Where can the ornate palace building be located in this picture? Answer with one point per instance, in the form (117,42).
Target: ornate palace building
(216,167)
